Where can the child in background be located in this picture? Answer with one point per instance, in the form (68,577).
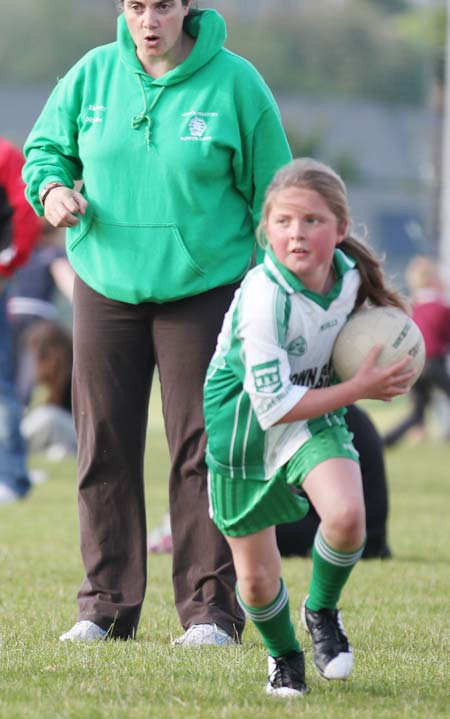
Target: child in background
(32,296)
(274,418)
(48,427)
(431,312)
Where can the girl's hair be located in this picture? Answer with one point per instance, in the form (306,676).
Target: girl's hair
(309,174)
(422,272)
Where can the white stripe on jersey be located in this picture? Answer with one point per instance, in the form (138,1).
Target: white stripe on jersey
(246,436)
(234,432)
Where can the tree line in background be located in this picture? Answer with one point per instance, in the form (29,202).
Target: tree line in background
(378,49)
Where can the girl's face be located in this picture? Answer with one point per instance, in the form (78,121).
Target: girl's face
(303,233)
(156,27)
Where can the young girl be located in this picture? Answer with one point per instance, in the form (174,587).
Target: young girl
(275,419)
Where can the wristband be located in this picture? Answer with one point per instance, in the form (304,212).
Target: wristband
(47,189)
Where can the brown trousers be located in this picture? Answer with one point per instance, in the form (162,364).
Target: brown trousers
(116,348)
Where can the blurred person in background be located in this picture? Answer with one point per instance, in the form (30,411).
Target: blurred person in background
(175,140)
(431,312)
(48,424)
(33,295)
(19,231)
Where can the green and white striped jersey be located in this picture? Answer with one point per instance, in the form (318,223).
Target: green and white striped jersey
(276,342)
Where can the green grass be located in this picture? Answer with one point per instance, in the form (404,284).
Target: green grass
(396,613)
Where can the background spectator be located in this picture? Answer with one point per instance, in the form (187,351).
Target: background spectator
(431,312)
(33,296)
(19,231)
(48,426)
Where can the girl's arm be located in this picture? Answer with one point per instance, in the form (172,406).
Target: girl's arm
(370,382)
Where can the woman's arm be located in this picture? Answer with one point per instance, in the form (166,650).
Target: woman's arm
(51,150)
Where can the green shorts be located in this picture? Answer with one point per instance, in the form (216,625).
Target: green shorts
(244,506)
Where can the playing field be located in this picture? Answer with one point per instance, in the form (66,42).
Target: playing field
(397,614)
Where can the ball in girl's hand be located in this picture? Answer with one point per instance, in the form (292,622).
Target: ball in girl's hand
(387,326)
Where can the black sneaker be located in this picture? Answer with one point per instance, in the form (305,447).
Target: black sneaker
(287,675)
(332,653)
(376,550)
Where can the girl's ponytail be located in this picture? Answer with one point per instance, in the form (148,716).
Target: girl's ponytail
(373,284)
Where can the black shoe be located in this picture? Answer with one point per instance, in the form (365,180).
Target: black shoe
(287,675)
(332,653)
(376,550)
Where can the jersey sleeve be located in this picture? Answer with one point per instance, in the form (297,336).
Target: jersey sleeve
(263,324)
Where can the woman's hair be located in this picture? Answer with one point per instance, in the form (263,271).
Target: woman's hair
(120,3)
(422,272)
(309,174)
(51,347)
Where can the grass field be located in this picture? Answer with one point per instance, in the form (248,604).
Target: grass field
(396,612)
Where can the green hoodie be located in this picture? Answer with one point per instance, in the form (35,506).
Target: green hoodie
(174,168)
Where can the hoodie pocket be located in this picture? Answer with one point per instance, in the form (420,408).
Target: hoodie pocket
(136,263)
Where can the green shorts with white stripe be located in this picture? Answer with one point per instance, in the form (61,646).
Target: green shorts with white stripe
(244,506)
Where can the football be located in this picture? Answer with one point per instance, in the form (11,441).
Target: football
(387,326)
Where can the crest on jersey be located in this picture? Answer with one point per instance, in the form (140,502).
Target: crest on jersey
(267,376)
(297,347)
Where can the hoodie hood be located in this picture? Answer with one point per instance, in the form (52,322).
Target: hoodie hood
(207,26)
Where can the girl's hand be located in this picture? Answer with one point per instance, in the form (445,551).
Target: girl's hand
(384,383)
(62,206)
(370,382)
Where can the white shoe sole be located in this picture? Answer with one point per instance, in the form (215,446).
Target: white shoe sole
(340,667)
(284,691)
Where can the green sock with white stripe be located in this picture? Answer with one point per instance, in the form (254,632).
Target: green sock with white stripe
(273,622)
(331,569)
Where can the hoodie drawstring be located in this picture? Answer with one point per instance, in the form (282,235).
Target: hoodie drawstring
(145,115)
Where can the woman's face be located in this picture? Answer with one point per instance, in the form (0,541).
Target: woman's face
(156,27)
(303,233)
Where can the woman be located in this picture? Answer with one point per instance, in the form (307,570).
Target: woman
(175,139)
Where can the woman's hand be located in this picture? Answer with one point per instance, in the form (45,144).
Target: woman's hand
(384,383)
(62,207)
